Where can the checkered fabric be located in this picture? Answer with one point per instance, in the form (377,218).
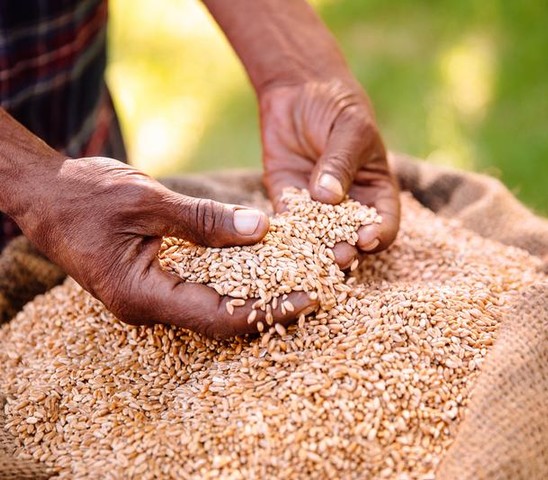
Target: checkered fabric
(52,63)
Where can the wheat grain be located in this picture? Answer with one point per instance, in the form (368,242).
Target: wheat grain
(373,385)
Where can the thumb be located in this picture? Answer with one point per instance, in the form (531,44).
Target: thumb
(211,223)
(352,141)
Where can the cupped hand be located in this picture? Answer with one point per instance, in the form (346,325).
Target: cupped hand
(102,222)
(322,136)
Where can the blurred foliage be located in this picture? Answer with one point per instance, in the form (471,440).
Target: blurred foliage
(456,82)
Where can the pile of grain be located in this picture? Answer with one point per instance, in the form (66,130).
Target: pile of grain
(373,387)
(295,256)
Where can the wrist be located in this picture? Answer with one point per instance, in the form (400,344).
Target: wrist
(293,75)
(279,46)
(27,167)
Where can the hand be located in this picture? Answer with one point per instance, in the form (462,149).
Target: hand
(322,136)
(102,222)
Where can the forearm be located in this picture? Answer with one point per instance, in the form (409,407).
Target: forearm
(279,42)
(24,161)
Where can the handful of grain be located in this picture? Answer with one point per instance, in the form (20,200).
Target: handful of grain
(295,256)
(374,387)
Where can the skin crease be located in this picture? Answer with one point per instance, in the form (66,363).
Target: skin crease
(102,221)
(332,130)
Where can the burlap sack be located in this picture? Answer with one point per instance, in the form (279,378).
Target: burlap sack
(505,432)
(12,468)
(24,273)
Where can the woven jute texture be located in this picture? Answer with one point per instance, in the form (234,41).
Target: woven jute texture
(12,468)
(505,431)
(24,273)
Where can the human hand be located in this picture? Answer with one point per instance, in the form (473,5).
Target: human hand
(102,222)
(322,135)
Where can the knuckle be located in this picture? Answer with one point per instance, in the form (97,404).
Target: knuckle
(341,164)
(204,219)
(364,125)
(367,128)
(358,118)
(363,135)
(341,160)
(210,223)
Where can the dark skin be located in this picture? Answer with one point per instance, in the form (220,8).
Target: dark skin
(315,117)
(102,221)
(332,132)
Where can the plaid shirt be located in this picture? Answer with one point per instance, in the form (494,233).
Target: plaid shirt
(52,62)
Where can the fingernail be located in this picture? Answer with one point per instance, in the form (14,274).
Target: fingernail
(330,183)
(371,245)
(348,264)
(367,236)
(247,221)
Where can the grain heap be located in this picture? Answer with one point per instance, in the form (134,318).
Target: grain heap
(374,387)
(295,256)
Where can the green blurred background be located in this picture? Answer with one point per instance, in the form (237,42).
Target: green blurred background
(456,82)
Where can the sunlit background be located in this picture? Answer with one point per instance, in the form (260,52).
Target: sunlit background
(460,82)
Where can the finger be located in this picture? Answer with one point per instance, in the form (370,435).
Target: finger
(345,254)
(292,171)
(383,195)
(352,142)
(206,222)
